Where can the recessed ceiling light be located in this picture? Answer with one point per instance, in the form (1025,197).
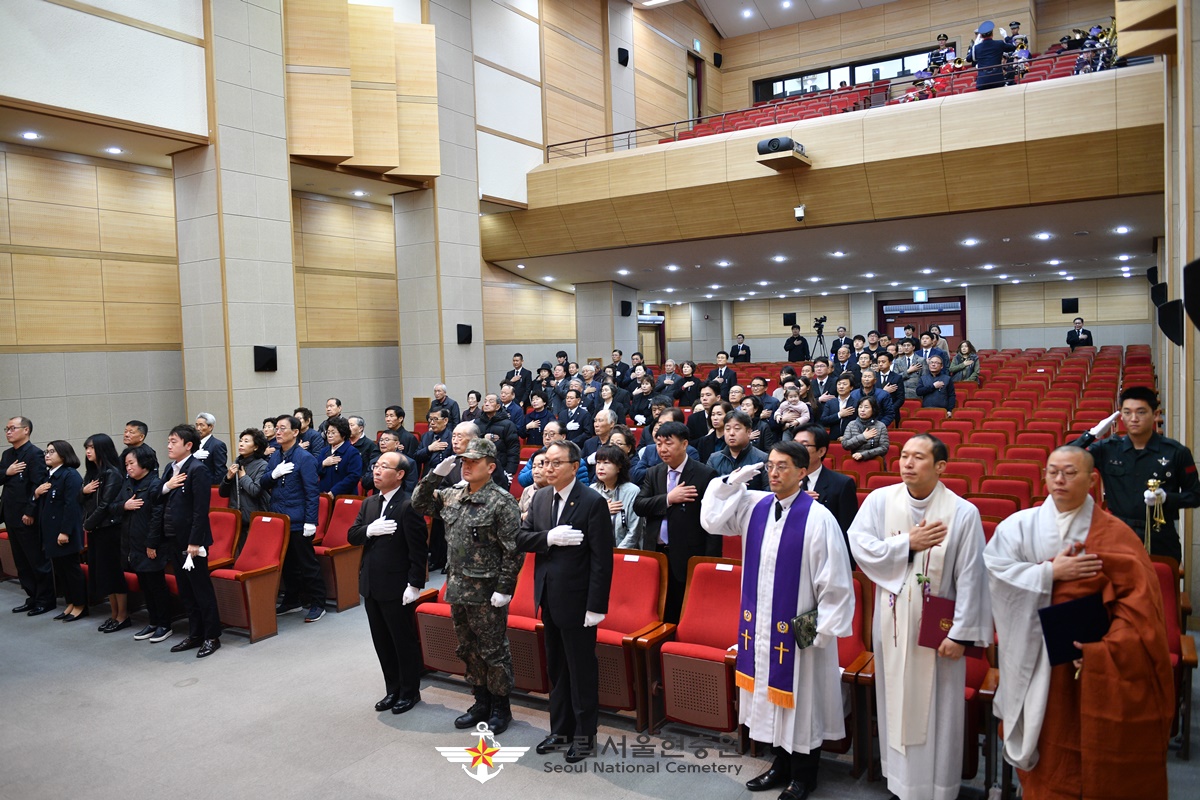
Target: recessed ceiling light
(668,290)
(672,267)
(970,242)
(678,302)
(1121,229)
(747,13)
(963,285)
(31,135)
(927,271)
(837,254)
(715,286)
(796,290)
(870,291)
(1126,275)
(722,263)
(1070,277)
(1062,272)
(988,266)
(751,293)
(359,193)
(901,248)
(1054,262)
(548,278)
(763,283)
(1003,277)
(868,275)
(520,266)
(1043,236)
(786,4)
(947,280)
(1123,258)
(824,294)
(113,151)
(1124,269)
(783,297)
(779,259)
(815,278)
(844,288)
(622,272)
(895,283)
(1016,280)
(709,296)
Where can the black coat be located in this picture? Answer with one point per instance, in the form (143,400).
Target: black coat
(59,511)
(688,396)
(686,536)
(393,562)
(500,429)
(522,381)
(839,494)
(184,518)
(136,525)
(100,509)
(797,348)
(18,500)
(585,430)
(571,580)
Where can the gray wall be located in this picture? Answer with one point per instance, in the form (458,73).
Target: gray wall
(1056,336)
(365,379)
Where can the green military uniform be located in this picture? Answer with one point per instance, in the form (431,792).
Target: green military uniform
(1125,470)
(482,559)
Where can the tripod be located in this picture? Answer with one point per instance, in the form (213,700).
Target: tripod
(819,349)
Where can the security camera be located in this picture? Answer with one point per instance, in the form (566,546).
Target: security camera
(799,213)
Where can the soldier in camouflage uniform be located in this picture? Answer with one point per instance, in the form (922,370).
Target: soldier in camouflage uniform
(481,522)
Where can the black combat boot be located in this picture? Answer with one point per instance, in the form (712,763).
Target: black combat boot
(478,712)
(501,715)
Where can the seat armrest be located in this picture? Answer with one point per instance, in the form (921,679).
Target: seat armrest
(333,551)
(1187,646)
(223,563)
(990,681)
(655,638)
(253,573)
(426,596)
(866,675)
(851,672)
(630,639)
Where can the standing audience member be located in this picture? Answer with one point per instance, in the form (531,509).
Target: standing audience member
(443,400)
(615,485)
(472,411)
(714,439)
(102,479)
(135,434)
(762,433)
(1079,336)
(575,419)
(393,420)
(60,516)
(935,388)
(340,466)
(965,366)
(939,341)
(242,482)
(268,430)
(140,515)
(738,451)
(22,470)
(211,447)
(508,402)
(866,436)
(687,389)
(796,346)
(793,413)
(537,465)
(740,352)
(495,426)
(307,437)
(520,378)
(536,419)
(832,489)
(367,449)
(333,408)
(840,410)
(723,376)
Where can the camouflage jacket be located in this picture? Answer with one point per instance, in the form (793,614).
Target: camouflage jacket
(481,537)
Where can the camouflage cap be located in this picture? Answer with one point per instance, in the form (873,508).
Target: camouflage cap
(480,448)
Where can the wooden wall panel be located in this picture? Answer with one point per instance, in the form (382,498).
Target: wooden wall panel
(376,257)
(679,323)
(420,148)
(374,224)
(58,322)
(320,115)
(520,311)
(569,118)
(48,225)
(124,280)
(136,192)
(376,129)
(660,59)
(56,277)
(45,180)
(656,104)
(144,234)
(575,68)
(8,323)
(371,43)
(134,323)
(416,60)
(5,235)
(579,18)
(3,175)
(6,277)
(327,219)
(317,33)
(328,252)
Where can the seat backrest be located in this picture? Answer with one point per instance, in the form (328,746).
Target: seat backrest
(712,603)
(1039,438)
(994,505)
(215,500)
(266,542)
(971,469)
(877,480)
(1030,470)
(324,506)
(849,647)
(959,484)
(997,439)
(1168,584)
(638,579)
(1020,488)
(522,602)
(345,511)
(1027,452)
(225,524)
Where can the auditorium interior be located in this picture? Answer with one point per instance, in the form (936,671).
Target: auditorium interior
(240,207)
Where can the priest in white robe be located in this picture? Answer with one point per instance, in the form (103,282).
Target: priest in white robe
(794,561)
(917,540)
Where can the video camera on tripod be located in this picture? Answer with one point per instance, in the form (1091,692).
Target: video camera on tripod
(819,324)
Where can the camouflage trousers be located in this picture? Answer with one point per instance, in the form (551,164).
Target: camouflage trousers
(482,632)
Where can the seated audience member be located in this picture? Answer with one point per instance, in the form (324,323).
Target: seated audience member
(714,438)
(866,436)
(536,419)
(615,485)
(762,434)
(738,451)
(60,519)
(435,443)
(935,388)
(687,391)
(240,483)
(840,410)
(138,502)
(793,413)
(472,411)
(965,366)
(536,464)
(339,466)
(443,400)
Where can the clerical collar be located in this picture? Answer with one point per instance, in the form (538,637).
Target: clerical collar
(920,504)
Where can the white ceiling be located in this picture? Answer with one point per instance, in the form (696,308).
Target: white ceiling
(87,138)
(1006,241)
(739,17)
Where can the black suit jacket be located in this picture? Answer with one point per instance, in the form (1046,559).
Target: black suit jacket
(839,342)
(839,494)
(18,500)
(522,381)
(1080,338)
(585,430)
(184,516)
(218,458)
(685,535)
(570,580)
(730,380)
(391,563)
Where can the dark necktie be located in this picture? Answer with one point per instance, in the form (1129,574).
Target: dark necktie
(557,500)
(778,510)
(804,484)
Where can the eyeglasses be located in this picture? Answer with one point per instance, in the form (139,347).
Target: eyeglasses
(1066,474)
(780,467)
(557,464)
(385,466)
(1141,412)
(9,428)
(50,450)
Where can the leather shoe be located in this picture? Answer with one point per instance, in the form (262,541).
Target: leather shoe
(405,704)
(73,617)
(21,609)
(552,744)
(106,625)
(209,647)
(387,702)
(61,616)
(771,779)
(796,790)
(579,750)
(190,643)
(33,612)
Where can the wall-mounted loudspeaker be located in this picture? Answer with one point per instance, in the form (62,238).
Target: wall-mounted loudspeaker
(1191,291)
(626,308)
(623,56)
(717,60)
(1070,305)
(789,319)
(1152,275)
(778,144)
(1170,321)
(1158,294)
(464,334)
(266,359)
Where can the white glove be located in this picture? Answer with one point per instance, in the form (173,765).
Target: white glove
(572,426)
(382,527)
(592,459)
(640,419)
(1099,430)
(200,454)
(1155,496)
(500,600)
(564,536)
(446,466)
(743,475)
(309,530)
(283,468)
(591,619)
(187,563)
(411,594)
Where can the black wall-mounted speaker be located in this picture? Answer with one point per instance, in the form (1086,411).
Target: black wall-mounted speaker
(626,308)
(1070,305)
(717,60)
(789,319)
(1170,321)
(266,359)
(1191,291)
(1158,294)
(1152,275)
(464,334)
(623,56)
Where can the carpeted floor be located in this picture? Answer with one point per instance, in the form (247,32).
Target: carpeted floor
(95,716)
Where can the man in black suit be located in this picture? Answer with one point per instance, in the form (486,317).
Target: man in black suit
(621,370)
(841,340)
(182,531)
(890,381)
(670,503)
(570,529)
(723,376)
(392,535)
(520,378)
(740,351)
(835,491)
(1080,336)
(212,451)
(575,419)
(698,423)
(23,469)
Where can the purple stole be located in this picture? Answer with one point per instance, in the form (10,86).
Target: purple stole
(781,674)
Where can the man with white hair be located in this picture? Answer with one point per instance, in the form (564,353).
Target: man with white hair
(365,445)
(602,424)
(443,400)
(212,451)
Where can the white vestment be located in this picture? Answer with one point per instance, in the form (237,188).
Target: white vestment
(825,584)
(929,765)
(1021,579)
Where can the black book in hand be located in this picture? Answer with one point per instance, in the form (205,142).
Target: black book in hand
(1082,620)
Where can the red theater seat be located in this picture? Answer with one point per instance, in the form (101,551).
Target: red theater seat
(246,592)
(339,559)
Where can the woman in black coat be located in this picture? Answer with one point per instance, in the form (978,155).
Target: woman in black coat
(137,499)
(687,390)
(60,518)
(102,479)
(241,481)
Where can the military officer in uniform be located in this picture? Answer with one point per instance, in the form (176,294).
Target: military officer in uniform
(1126,463)
(481,522)
(986,54)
